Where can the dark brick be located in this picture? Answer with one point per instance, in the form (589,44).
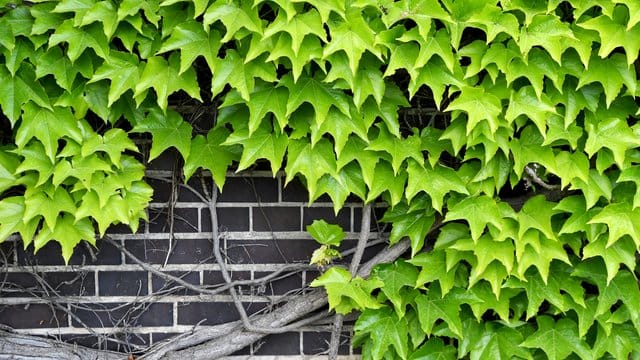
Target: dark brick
(171,287)
(311,275)
(315,213)
(61,283)
(185,220)
(126,229)
(296,191)
(106,254)
(317,342)
(32,316)
(276,219)
(215,278)
(123,315)
(121,342)
(122,283)
(266,251)
(280,286)
(369,252)
(161,190)
(206,313)
(377,214)
(279,344)
(249,189)
(165,161)
(7,251)
(195,183)
(229,219)
(185,251)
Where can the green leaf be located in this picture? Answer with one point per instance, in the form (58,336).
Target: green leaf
(598,186)
(414,222)
(165,79)
(234,17)
(339,285)
(123,70)
(114,142)
(478,212)
(11,216)
(385,329)
(499,342)
(434,349)
(549,32)
(37,160)
(240,76)
(610,133)
(340,127)
(435,182)
(167,130)
(396,277)
(614,34)
(536,214)
(18,90)
(623,251)
(318,94)
(421,11)
(620,342)
(68,232)
(433,306)
(79,39)
(269,99)
(624,288)
(192,40)
(53,62)
(49,203)
(621,220)
(433,268)
(384,179)
(479,106)
(349,180)
(438,78)
(325,233)
(311,161)
(612,73)
(104,12)
(632,174)
(209,154)
(353,36)
(297,27)
(486,250)
(262,144)
(81,168)
(538,291)
(525,102)
(558,339)
(47,126)
(400,149)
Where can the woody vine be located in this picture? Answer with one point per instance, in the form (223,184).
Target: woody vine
(501,134)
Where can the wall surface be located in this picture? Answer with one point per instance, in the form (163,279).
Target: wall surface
(102,299)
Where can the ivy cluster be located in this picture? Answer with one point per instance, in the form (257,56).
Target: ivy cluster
(537,92)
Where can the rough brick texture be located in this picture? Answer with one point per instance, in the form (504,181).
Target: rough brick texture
(128,309)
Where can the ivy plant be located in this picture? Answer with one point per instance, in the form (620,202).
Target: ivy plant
(509,124)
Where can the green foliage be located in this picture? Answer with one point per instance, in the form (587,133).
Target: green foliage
(503,136)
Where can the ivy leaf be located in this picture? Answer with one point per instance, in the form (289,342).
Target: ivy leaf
(353,36)
(385,329)
(312,161)
(208,153)
(486,250)
(123,70)
(11,216)
(598,186)
(325,233)
(339,285)
(433,268)
(240,76)
(319,95)
(421,11)
(37,160)
(614,34)
(624,288)
(340,127)
(558,339)
(434,349)
(538,291)
(438,78)
(534,249)
(494,21)
(385,179)
(622,340)
(297,27)
(438,44)
(621,220)
(399,149)
(49,204)
(311,50)
(549,32)
(478,212)
(610,133)
(167,131)
(7,39)
(81,168)
(47,126)
(612,73)
(192,40)
(79,39)
(17,90)
(268,99)
(479,106)
(499,342)
(414,222)
(632,174)
(354,150)
(525,102)
(349,180)
(433,306)
(114,142)
(436,182)
(536,214)
(165,79)
(262,144)
(103,215)
(234,17)
(622,251)
(395,278)
(68,232)
(104,12)
(53,62)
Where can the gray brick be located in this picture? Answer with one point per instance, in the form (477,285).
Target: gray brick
(276,219)
(122,283)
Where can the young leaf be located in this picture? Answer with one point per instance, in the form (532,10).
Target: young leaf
(339,285)
(319,95)
(611,133)
(262,144)
(325,233)
(479,106)
(79,39)
(436,183)
(621,220)
(614,34)
(234,17)
(400,149)
(192,40)
(209,154)
(311,161)
(240,76)
(11,216)
(297,27)
(478,212)
(49,204)
(18,90)
(353,36)
(384,179)
(414,222)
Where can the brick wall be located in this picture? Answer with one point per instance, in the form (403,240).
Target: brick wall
(104,300)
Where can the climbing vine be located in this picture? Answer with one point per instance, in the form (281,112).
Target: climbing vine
(503,136)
